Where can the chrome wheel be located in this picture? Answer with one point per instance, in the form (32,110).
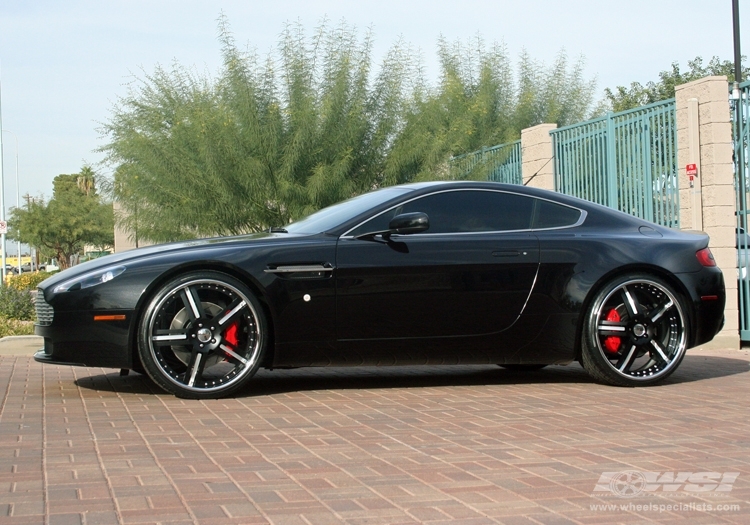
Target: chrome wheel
(202,335)
(636,332)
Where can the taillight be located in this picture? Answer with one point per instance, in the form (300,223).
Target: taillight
(705,257)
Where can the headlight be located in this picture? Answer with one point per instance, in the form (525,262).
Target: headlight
(89,279)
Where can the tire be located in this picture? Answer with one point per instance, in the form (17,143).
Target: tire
(202,335)
(522,368)
(635,331)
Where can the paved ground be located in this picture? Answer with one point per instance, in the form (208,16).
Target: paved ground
(458,445)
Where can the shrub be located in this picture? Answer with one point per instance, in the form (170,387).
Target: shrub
(15,327)
(27,281)
(17,304)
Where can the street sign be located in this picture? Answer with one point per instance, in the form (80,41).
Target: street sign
(3,227)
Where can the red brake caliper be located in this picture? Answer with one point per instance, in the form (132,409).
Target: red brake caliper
(230,335)
(612,342)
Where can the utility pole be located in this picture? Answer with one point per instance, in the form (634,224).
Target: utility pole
(2,180)
(736,32)
(18,198)
(739,126)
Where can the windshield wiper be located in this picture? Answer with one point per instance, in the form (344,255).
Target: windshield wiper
(276,229)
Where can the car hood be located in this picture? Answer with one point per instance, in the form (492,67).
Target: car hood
(123,258)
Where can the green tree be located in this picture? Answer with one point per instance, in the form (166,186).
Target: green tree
(623,98)
(263,144)
(86,180)
(480,102)
(270,141)
(75,216)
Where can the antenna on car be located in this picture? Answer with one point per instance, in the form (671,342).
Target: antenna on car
(537,172)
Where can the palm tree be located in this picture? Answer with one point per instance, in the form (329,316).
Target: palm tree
(86,180)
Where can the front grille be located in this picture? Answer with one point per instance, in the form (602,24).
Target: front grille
(44,312)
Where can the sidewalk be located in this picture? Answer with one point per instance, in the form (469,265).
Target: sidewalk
(21,345)
(445,445)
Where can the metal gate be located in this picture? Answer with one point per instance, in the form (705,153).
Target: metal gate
(501,163)
(741,136)
(626,160)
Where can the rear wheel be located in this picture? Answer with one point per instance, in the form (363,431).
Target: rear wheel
(635,331)
(202,335)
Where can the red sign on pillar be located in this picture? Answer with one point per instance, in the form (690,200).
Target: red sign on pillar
(692,171)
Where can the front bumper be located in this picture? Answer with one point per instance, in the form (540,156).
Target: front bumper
(75,338)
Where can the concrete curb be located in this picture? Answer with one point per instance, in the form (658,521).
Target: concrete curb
(21,344)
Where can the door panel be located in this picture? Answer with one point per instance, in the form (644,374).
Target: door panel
(424,286)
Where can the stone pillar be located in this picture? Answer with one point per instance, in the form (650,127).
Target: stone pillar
(537,168)
(704,122)
(688,134)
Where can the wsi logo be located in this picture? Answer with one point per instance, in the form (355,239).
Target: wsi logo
(631,483)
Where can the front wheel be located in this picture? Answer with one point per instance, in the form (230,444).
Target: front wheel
(202,335)
(635,332)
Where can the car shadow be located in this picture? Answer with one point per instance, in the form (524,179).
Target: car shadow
(279,381)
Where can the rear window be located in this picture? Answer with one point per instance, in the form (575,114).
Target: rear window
(549,214)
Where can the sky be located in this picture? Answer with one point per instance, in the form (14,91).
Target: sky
(63,64)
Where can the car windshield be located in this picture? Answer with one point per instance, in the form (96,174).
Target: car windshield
(330,217)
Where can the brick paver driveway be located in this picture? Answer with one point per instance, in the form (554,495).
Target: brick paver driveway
(390,445)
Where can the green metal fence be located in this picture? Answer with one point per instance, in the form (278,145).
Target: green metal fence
(626,161)
(741,135)
(500,163)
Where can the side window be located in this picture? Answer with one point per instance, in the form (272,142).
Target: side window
(377,224)
(552,215)
(463,211)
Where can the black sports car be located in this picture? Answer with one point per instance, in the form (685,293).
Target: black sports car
(429,273)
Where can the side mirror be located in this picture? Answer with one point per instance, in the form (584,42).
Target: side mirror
(407,223)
